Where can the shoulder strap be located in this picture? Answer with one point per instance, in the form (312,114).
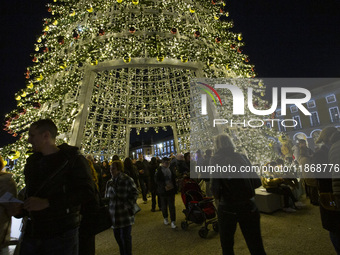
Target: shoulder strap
(46,181)
(69,161)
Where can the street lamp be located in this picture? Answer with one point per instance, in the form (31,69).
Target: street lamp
(133,155)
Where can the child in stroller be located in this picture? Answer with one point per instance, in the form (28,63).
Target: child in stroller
(198,209)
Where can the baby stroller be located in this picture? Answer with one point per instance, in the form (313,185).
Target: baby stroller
(198,209)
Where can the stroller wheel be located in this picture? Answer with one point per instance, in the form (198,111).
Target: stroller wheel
(215,227)
(203,232)
(184,225)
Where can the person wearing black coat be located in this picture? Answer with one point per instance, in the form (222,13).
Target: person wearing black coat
(235,195)
(330,219)
(166,188)
(58,181)
(143,176)
(153,166)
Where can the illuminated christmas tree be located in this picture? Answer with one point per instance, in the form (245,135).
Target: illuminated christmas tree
(102,67)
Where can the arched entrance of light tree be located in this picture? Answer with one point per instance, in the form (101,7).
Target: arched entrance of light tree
(143,93)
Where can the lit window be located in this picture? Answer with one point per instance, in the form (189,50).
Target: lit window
(311,104)
(331,98)
(282,128)
(293,109)
(334,113)
(298,121)
(314,119)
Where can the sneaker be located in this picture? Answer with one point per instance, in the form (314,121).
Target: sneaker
(299,204)
(166,222)
(289,210)
(173,224)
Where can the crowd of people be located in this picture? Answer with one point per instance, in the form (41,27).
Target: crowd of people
(62,185)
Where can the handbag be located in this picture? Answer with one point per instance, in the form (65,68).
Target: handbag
(329,202)
(135,209)
(97,221)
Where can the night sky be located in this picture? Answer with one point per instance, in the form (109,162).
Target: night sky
(283,39)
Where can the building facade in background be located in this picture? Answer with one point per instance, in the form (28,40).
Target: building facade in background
(161,148)
(324,109)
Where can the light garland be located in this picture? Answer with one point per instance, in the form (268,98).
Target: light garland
(173,40)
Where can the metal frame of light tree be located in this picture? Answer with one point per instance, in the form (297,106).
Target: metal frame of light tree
(84,38)
(84,131)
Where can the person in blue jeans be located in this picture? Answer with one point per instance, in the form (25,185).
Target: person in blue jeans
(58,181)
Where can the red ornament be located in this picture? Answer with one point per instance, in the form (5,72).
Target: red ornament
(101,32)
(197,34)
(36,105)
(75,35)
(49,9)
(218,39)
(22,111)
(239,50)
(173,30)
(246,60)
(132,30)
(233,46)
(27,74)
(8,120)
(61,40)
(213,2)
(45,49)
(34,59)
(15,135)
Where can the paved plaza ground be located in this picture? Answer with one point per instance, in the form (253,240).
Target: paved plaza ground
(296,233)
(287,234)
